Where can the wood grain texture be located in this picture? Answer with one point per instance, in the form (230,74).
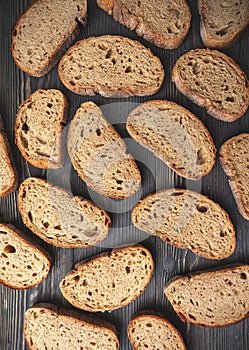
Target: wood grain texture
(17,86)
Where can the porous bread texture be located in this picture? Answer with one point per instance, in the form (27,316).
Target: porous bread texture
(44,31)
(187,220)
(39,127)
(213,80)
(99,155)
(174,135)
(163,23)
(110,280)
(60,218)
(212,298)
(112,66)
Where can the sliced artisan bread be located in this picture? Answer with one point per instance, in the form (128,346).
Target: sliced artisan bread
(44,31)
(39,128)
(59,218)
(222,22)
(175,135)
(213,80)
(234,158)
(110,280)
(187,220)
(149,330)
(211,298)
(163,23)
(99,154)
(112,66)
(66,330)
(22,264)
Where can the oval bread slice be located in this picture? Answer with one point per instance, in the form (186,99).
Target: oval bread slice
(59,218)
(174,135)
(213,80)
(66,330)
(110,280)
(22,264)
(187,220)
(212,298)
(112,66)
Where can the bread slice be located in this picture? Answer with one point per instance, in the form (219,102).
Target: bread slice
(174,135)
(163,23)
(213,80)
(187,220)
(212,298)
(59,218)
(66,330)
(110,280)
(39,128)
(99,154)
(44,31)
(112,66)
(234,158)
(22,264)
(222,22)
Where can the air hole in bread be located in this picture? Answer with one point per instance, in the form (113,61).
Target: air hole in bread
(175,194)
(109,53)
(128,269)
(46,224)
(30,216)
(243,276)
(25,127)
(9,249)
(58,227)
(230,99)
(149,325)
(76,278)
(192,317)
(128,69)
(202,208)
(222,233)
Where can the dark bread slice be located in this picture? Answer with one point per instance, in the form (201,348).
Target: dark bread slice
(213,80)
(212,298)
(44,31)
(112,66)
(23,264)
(66,330)
(163,23)
(110,280)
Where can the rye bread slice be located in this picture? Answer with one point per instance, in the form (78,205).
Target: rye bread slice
(187,219)
(66,330)
(23,264)
(212,298)
(44,31)
(58,217)
(234,158)
(163,23)
(39,127)
(112,66)
(213,80)
(110,280)
(174,135)
(99,155)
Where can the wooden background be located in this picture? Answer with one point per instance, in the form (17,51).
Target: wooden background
(17,86)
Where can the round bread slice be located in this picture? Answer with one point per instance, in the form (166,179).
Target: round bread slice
(213,80)
(110,280)
(22,264)
(112,66)
(174,135)
(66,330)
(149,330)
(187,220)
(59,218)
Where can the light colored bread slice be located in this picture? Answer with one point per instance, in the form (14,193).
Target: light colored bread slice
(59,218)
(234,158)
(44,31)
(149,330)
(67,330)
(22,264)
(39,128)
(213,80)
(112,66)
(163,23)
(174,135)
(110,280)
(187,220)
(222,22)
(99,154)
(212,298)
